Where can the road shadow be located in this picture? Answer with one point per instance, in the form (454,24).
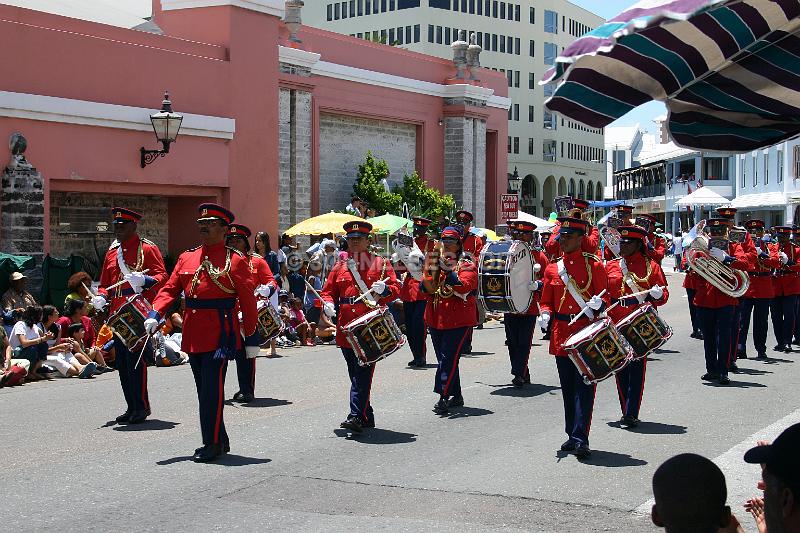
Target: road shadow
(735,384)
(225,460)
(377,436)
(652,428)
(528,391)
(259,402)
(151,424)
(276,356)
(606,459)
(752,372)
(466,412)
(427,366)
(476,354)
(651,359)
(774,360)
(661,350)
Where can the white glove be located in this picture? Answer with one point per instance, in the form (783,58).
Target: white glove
(758,250)
(543,319)
(98,302)
(263,291)
(329,310)
(595,303)
(717,254)
(251,352)
(136,280)
(784,258)
(657,292)
(534,286)
(150,325)
(379,287)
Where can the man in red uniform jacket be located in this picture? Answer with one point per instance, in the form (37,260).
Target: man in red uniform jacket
(264,283)
(216,281)
(759,296)
(450,315)
(632,273)
(590,242)
(787,289)
(716,309)
(587,279)
(519,326)
(126,261)
(362,272)
(472,245)
(414,302)
(656,246)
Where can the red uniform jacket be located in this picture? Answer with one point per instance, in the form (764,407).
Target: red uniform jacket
(556,299)
(637,265)
(590,243)
(259,269)
(340,287)
(410,291)
(709,296)
(139,254)
(761,276)
(202,328)
(454,305)
(540,258)
(787,280)
(472,245)
(659,248)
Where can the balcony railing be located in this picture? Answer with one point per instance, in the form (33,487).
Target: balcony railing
(645,191)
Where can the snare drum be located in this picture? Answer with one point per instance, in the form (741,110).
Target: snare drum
(505,271)
(374,336)
(644,330)
(598,351)
(127,322)
(270,324)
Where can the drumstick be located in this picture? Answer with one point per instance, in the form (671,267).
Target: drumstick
(583,311)
(313,289)
(367,293)
(139,360)
(88,290)
(117,284)
(640,293)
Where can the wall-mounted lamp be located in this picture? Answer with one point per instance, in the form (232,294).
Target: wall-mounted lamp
(166,125)
(441,122)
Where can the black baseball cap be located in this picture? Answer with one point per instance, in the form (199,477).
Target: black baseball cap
(782,457)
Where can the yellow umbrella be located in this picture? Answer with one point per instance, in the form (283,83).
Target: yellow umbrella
(322,224)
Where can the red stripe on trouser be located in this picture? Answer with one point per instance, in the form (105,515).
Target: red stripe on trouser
(369,394)
(253,377)
(145,399)
(220,394)
(622,399)
(644,372)
(591,413)
(455,362)
(528,347)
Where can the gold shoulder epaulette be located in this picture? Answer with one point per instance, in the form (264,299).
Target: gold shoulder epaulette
(234,250)
(256,255)
(148,241)
(591,256)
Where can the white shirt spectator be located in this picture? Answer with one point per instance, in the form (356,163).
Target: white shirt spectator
(21,328)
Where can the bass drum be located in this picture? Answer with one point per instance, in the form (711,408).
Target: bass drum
(505,271)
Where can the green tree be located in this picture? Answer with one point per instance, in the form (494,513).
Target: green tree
(425,201)
(369,188)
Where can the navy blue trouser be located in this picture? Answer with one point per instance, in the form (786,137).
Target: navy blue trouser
(415,329)
(209,378)
(630,387)
(736,322)
(759,308)
(797,322)
(246,373)
(783,318)
(132,378)
(519,334)
(578,401)
(716,325)
(693,310)
(449,345)
(360,386)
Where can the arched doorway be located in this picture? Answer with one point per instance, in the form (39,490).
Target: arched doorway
(529,195)
(548,193)
(562,186)
(590,192)
(571,189)
(582,189)
(598,191)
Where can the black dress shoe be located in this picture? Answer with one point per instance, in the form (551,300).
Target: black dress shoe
(518,382)
(569,446)
(741,355)
(724,380)
(368,424)
(733,368)
(708,376)
(124,417)
(696,335)
(353,424)
(241,397)
(582,451)
(761,355)
(412,363)
(238,396)
(208,453)
(629,421)
(441,407)
(455,401)
(788,348)
(527,379)
(779,348)
(137,417)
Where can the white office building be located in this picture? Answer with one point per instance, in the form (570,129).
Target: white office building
(521,38)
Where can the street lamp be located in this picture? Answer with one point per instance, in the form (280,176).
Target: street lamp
(514,182)
(166,125)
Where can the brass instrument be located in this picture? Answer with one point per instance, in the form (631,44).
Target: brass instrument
(737,234)
(407,252)
(730,281)
(431,268)
(611,238)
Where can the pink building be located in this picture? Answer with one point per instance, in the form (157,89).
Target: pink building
(272,128)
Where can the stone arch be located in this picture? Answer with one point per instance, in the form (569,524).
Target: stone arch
(598,191)
(562,186)
(589,191)
(582,189)
(530,194)
(571,190)
(549,191)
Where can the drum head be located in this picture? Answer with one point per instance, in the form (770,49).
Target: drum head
(520,276)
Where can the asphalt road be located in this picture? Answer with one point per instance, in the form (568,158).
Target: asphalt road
(490,466)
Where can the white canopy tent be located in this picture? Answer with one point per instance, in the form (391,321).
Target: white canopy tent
(702,196)
(540,222)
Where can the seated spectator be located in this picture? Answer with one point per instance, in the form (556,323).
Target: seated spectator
(29,342)
(326,330)
(75,312)
(288,338)
(59,350)
(15,299)
(690,495)
(298,323)
(7,375)
(312,305)
(84,355)
(79,284)
(779,510)
(297,281)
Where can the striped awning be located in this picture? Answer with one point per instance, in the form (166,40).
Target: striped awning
(728,70)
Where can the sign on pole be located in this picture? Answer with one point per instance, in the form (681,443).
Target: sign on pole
(509,207)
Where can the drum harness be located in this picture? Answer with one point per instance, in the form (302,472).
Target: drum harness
(633,281)
(574,291)
(125,270)
(369,301)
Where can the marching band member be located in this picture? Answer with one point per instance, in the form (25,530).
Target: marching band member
(590,242)
(450,314)
(571,284)
(633,272)
(716,309)
(472,246)
(362,273)
(216,280)
(760,293)
(265,286)
(414,300)
(787,288)
(656,246)
(127,258)
(625,212)
(519,327)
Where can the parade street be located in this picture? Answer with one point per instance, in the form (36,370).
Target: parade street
(489,466)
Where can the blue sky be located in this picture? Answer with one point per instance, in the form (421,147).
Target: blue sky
(643,114)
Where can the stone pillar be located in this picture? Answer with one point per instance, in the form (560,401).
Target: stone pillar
(465,164)
(295,157)
(22,219)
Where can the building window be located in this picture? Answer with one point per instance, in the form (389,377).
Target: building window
(517,13)
(532,48)
(510,77)
(330,12)
(360,7)
(549,150)
(336,13)
(391,5)
(531,80)
(516,112)
(472,7)
(531,113)
(530,146)
(549,120)
(516,145)
(509,144)
(550,21)
(516,79)
(780,166)
(549,89)
(550,53)
(352,8)
(755,170)
(392,41)
(430,33)
(439,35)
(495,8)
(502,40)
(441,4)
(510,44)
(447,35)
(743,164)
(344,10)
(766,167)
(532,15)
(502,10)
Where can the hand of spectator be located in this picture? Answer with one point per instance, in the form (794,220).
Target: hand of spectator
(49,336)
(755,506)
(734,526)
